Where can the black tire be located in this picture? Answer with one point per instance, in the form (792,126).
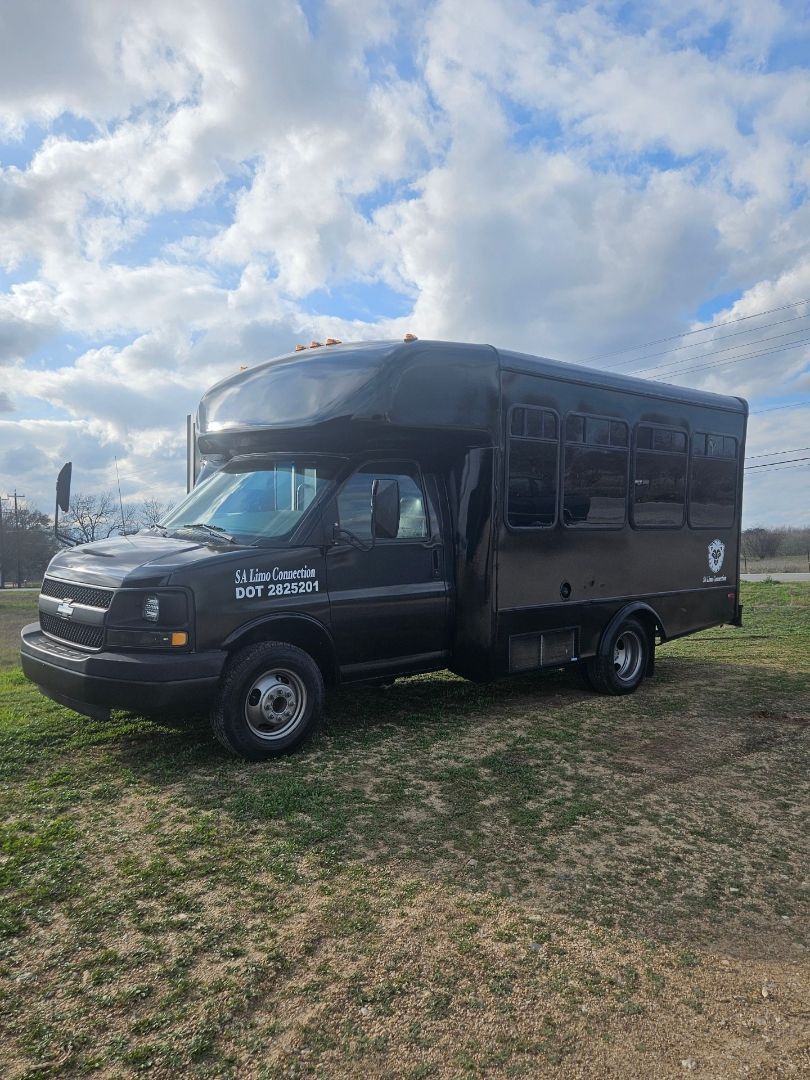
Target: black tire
(269,701)
(622,660)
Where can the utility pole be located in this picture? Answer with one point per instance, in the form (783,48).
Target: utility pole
(15,496)
(2,546)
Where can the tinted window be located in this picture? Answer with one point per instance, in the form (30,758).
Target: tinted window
(663,439)
(532,484)
(255,499)
(659,482)
(354,502)
(713,481)
(618,433)
(595,479)
(534,424)
(716,446)
(575,429)
(597,431)
(518,422)
(595,486)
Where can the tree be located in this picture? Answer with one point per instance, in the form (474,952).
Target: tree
(761,543)
(152,510)
(30,539)
(95,517)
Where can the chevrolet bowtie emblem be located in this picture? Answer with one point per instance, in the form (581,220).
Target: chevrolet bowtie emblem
(65,609)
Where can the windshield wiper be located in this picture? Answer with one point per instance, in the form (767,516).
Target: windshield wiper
(217,530)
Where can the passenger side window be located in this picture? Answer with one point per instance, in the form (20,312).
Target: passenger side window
(354,501)
(595,480)
(659,478)
(533,458)
(712,481)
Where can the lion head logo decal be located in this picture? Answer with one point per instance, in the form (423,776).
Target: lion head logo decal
(717,552)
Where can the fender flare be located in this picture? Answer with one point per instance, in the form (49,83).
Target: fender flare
(307,632)
(639,607)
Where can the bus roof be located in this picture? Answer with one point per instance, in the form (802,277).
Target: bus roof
(416,384)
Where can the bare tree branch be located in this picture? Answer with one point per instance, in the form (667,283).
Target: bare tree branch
(96,517)
(152,510)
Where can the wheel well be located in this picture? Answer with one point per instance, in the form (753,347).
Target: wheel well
(306,634)
(651,623)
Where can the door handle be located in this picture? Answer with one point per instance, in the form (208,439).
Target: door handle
(436,562)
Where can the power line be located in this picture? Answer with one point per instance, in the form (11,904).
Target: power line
(718,352)
(776,408)
(725,337)
(734,359)
(770,453)
(724,363)
(771,464)
(785,469)
(702,330)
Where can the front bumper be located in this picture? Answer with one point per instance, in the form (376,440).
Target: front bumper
(94,683)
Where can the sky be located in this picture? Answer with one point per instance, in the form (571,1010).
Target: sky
(187,188)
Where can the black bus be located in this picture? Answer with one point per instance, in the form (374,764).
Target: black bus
(366,511)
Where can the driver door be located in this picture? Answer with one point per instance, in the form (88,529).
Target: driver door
(388,599)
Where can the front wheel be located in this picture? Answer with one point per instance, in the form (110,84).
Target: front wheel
(269,701)
(623,660)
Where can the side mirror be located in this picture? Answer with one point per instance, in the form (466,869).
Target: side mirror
(63,487)
(385,509)
(63,501)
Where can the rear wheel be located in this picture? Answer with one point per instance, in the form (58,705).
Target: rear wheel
(622,661)
(270,700)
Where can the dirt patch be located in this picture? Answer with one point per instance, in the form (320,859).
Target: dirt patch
(431,992)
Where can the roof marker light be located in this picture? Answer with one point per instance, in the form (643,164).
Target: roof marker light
(300,348)
(315,344)
(410,337)
(333,341)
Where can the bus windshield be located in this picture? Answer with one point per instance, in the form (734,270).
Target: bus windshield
(252,500)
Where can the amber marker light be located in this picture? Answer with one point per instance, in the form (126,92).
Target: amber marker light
(300,348)
(179,637)
(333,341)
(315,344)
(410,337)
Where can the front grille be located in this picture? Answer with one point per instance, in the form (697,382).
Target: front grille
(79,594)
(89,637)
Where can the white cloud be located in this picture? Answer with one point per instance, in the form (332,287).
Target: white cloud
(567,181)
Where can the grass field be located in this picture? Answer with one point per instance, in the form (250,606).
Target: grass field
(451,881)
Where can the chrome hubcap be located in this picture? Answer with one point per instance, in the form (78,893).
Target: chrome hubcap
(627,656)
(275,704)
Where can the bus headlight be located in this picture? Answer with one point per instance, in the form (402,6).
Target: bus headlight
(151,608)
(164,608)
